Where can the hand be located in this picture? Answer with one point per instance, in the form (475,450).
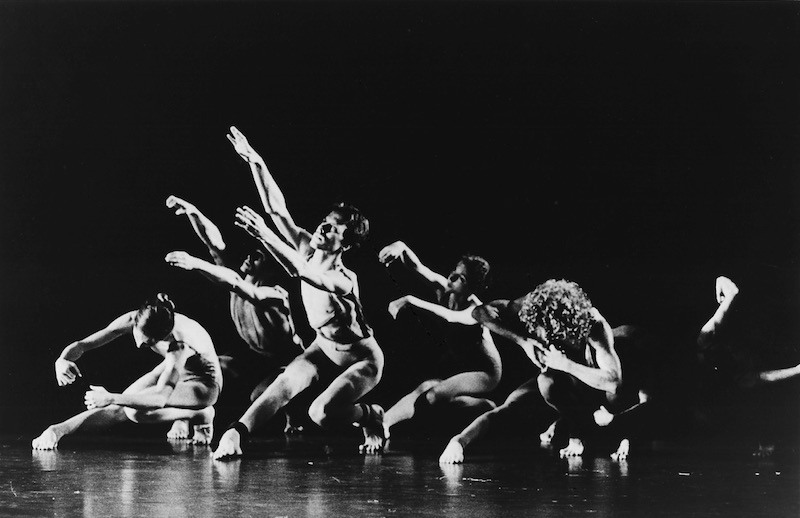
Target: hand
(535,351)
(725,289)
(486,313)
(66,372)
(181,206)
(182,260)
(603,417)
(241,146)
(253,223)
(97,397)
(396,305)
(391,253)
(552,358)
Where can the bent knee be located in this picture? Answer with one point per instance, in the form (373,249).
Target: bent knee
(319,412)
(136,415)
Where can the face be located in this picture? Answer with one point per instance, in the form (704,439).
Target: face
(252,263)
(329,234)
(457,280)
(142,340)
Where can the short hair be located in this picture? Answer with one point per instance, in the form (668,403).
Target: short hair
(563,310)
(478,276)
(156,317)
(357,224)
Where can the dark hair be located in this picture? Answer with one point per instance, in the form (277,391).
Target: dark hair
(478,278)
(357,224)
(156,317)
(563,310)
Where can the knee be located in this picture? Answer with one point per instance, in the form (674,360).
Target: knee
(319,412)
(136,415)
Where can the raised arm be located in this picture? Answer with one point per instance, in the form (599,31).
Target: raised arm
(227,277)
(399,250)
(207,231)
(269,192)
(66,369)
(463,316)
(292,261)
(607,376)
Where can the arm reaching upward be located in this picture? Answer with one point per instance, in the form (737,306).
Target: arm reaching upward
(399,250)
(207,231)
(271,196)
(66,369)
(291,260)
(227,277)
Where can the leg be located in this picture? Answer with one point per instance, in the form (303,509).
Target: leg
(454,451)
(89,420)
(405,408)
(560,391)
(299,374)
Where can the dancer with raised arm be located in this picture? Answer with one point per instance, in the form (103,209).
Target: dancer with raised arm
(474,366)
(260,311)
(185,385)
(734,366)
(330,292)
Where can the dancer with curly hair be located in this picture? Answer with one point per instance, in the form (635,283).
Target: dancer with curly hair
(580,371)
(184,385)
(473,366)
(344,342)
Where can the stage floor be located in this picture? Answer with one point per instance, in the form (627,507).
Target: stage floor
(324,476)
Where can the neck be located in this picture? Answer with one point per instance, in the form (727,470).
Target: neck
(326,260)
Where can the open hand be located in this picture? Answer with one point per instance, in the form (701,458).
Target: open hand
(390,253)
(241,146)
(253,223)
(181,260)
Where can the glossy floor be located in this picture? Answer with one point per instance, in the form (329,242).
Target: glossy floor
(322,476)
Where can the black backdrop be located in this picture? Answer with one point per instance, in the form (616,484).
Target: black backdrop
(640,149)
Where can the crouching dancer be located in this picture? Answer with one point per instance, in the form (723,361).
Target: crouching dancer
(330,292)
(184,385)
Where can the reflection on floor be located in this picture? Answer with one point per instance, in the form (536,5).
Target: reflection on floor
(323,475)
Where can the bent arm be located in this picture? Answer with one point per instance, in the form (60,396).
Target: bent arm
(607,376)
(205,229)
(118,327)
(399,250)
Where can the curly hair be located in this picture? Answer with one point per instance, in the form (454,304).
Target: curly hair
(478,278)
(357,224)
(563,310)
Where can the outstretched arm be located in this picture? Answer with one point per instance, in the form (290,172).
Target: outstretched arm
(458,317)
(207,231)
(607,376)
(399,250)
(66,369)
(269,192)
(489,315)
(291,260)
(227,277)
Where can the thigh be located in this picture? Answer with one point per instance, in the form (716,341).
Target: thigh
(465,384)
(193,394)
(356,381)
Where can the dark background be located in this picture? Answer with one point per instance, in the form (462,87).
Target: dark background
(640,149)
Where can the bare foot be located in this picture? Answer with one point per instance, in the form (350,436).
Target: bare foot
(179,430)
(374,437)
(603,417)
(290,428)
(47,441)
(230,445)
(203,426)
(574,448)
(622,451)
(546,437)
(453,453)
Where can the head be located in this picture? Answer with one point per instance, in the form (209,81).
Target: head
(471,275)
(154,321)
(343,228)
(253,262)
(559,313)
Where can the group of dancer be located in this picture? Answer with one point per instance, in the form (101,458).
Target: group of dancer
(590,373)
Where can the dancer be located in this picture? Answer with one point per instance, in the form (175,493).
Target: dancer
(330,292)
(581,372)
(184,385)
(260,312)
(474,363)
(731,366)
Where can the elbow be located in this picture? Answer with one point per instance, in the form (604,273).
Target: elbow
(613,387)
